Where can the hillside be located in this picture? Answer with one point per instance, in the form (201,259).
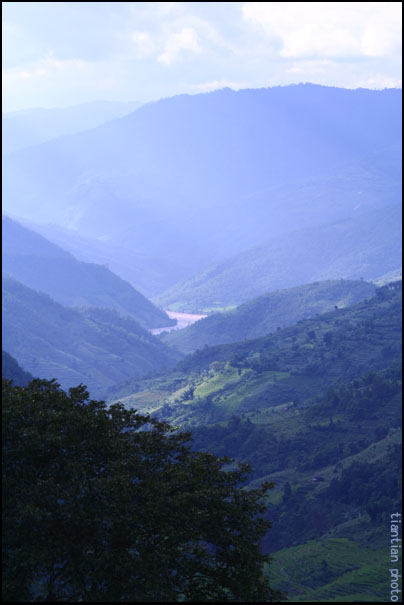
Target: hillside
(268,313)
(96,347)
(34,261)
(328,536)
(395,275)
(34,126)
(218,171)
(11,370)
(363,247)
(316,408)
(292,365)
(150,275)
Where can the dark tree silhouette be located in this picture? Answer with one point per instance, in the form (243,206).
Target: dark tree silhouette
(103,504)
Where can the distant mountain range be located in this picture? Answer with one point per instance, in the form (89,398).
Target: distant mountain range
(96,347)
(34,126)
(365,247)
(198,178)
(269,313)
(33,260)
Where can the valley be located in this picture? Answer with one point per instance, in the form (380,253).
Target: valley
(183,321)
(321,398)
(227,263)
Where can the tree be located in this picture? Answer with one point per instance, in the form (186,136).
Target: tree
(103,504)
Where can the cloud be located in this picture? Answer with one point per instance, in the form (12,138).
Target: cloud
(48,67)
(379,82)
(328,29)
(49,79)
(185,40)
(58,53)
(144,44)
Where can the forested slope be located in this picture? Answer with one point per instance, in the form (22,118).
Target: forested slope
(96,347)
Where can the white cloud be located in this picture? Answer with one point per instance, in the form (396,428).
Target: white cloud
(166,8)
(145,50)
(144,44)
(318,67)
(49,79)
(156,9)
(185,40)
(48,68)
(379,82)
(328,29)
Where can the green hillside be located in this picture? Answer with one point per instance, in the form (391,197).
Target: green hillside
(34,261)
(93,346)
(11,370)
(363,247)
(267,313)
(294,364)
(341,570)
(318,399)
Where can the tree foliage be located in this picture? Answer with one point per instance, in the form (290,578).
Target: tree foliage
(103,504)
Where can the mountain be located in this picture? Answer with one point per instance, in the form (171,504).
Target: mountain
(269,313)
(31,259)
(96,347)
(294,364)
(11,370)
(217,172)
(363,247)
(150,275)
(30,127)
(315,408)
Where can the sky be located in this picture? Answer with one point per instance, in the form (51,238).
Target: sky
(57,54)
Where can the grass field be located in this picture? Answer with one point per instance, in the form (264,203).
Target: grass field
(338,569)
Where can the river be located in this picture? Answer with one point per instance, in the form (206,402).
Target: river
(183,320)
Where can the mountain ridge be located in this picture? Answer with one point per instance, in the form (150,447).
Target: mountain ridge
(94,346)
(364,247)
(268,313)
(217,171)
(44,266)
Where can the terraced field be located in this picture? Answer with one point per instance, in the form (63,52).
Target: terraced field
(321,398)
(340,569)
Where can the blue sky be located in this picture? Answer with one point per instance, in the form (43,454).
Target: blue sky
(63,53)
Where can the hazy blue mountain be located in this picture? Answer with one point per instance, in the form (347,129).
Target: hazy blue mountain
(34,126)
(200,177)
(266,314)
(96,347)
(363,247)
(11,370)
(150,275)
(31,259)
